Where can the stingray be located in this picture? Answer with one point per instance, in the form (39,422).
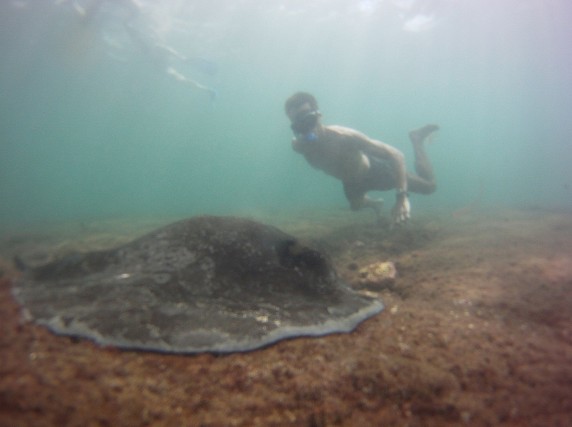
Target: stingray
(204,284)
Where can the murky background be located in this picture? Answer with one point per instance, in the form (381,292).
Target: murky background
(115,109)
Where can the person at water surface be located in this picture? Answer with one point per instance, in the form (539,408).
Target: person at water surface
(361,163)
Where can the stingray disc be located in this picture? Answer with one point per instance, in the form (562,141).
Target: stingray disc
(206,284)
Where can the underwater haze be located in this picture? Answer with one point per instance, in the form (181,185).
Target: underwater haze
(124,108)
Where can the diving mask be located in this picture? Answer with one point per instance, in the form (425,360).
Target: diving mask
(304,123)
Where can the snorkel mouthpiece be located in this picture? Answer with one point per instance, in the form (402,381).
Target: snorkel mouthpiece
(311,136)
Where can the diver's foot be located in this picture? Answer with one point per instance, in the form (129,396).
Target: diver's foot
(417,136)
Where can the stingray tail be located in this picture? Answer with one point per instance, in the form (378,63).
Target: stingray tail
(20,265)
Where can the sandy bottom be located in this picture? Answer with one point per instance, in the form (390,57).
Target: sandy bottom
(477,331)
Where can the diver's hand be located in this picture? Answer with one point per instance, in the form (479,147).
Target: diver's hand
(401,212)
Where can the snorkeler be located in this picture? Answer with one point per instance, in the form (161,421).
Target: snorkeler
(162,57)
(143,38)
(361,163)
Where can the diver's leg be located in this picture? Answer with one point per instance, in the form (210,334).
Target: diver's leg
(358,199)
(424,182)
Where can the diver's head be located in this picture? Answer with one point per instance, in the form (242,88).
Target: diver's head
(297,101)
(302,110)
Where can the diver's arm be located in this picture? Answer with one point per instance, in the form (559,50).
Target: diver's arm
(170,51)
(187,80)
(401,211)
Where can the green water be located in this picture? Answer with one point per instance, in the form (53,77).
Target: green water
(91,127)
